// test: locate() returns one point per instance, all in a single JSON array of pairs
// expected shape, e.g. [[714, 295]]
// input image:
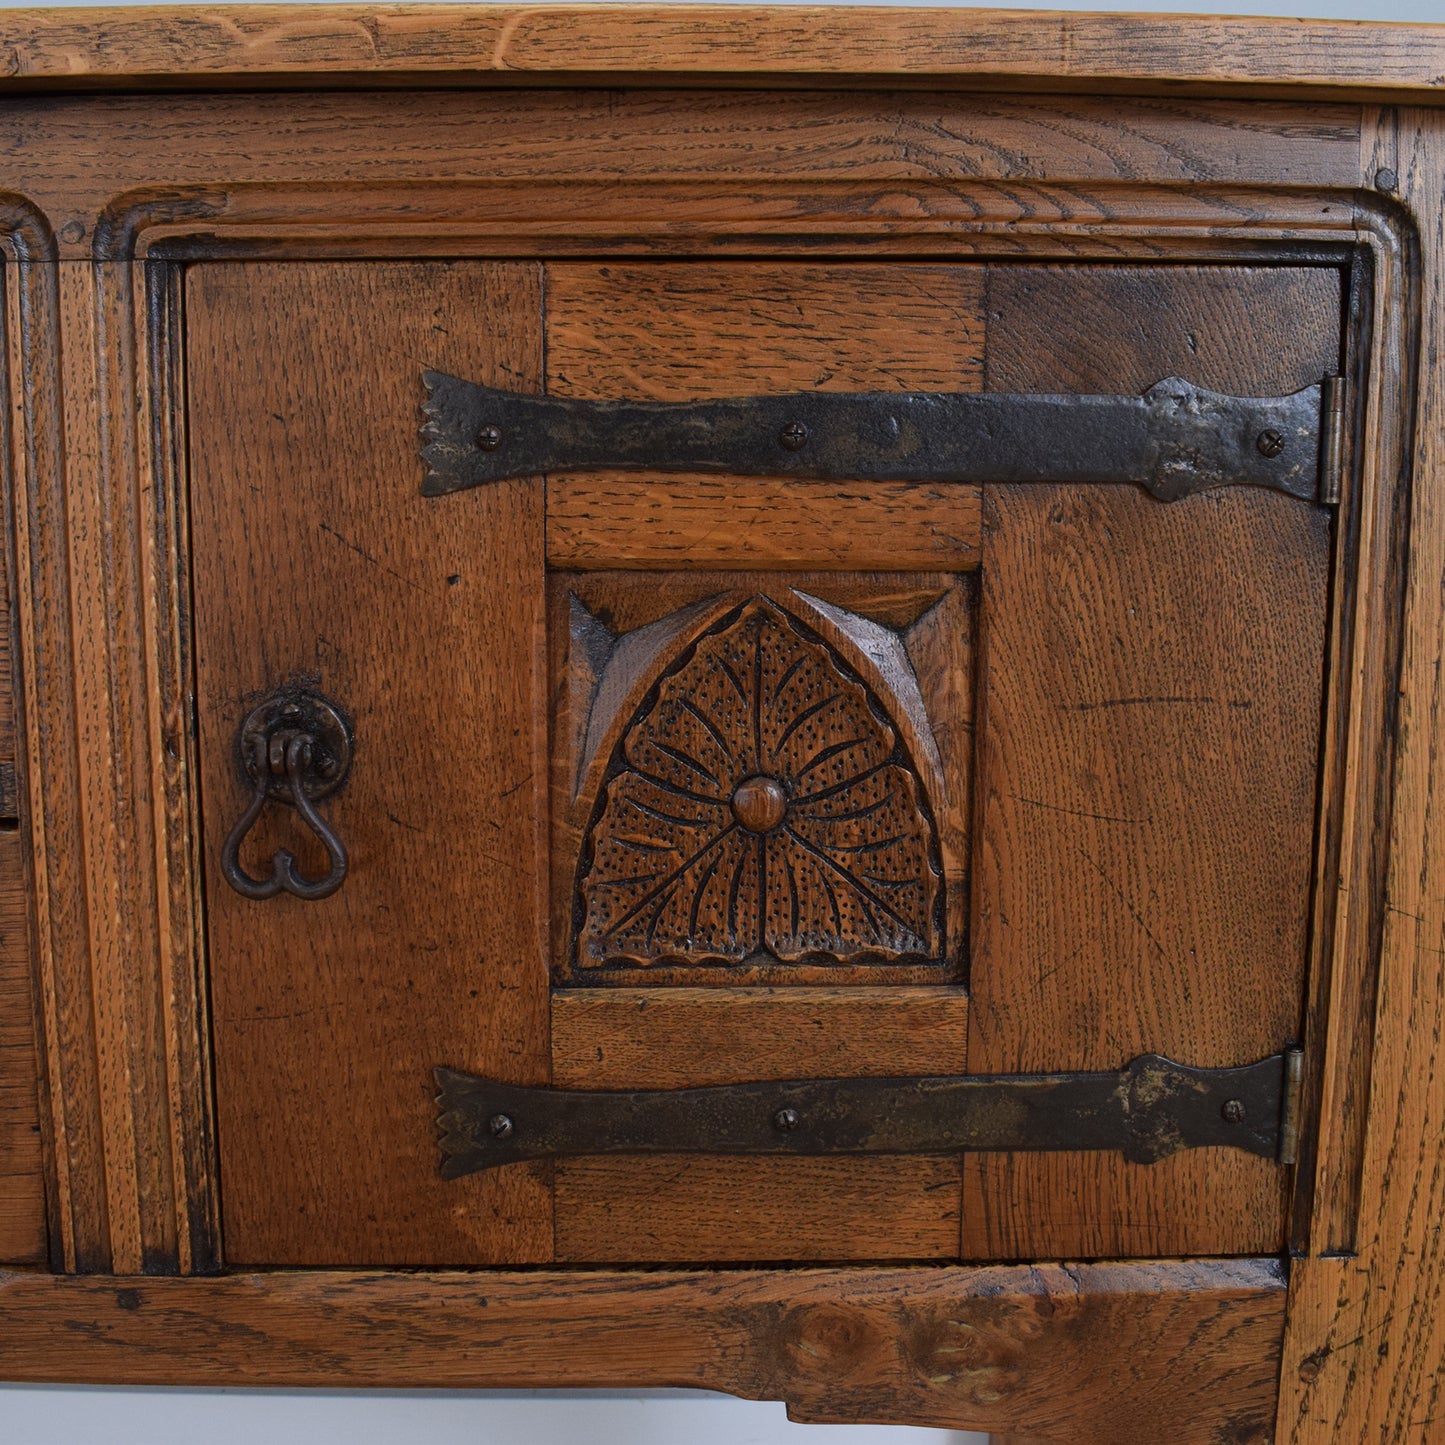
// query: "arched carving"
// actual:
[[761, 807]]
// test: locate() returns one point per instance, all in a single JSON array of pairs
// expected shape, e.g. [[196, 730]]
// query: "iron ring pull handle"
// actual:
[[294, 748]]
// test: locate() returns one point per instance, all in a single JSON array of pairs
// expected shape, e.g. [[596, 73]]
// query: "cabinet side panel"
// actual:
[[317, 559], [1365, 1354], [1151, 691]]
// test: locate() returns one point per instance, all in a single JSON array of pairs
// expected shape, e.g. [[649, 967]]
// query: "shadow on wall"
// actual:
[[37, 1415]]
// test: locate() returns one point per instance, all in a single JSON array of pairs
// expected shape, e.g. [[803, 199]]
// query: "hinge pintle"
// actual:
[[1332, 439], [1291, 1094]]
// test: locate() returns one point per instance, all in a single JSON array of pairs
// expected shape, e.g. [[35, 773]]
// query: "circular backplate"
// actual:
[[295, 710]]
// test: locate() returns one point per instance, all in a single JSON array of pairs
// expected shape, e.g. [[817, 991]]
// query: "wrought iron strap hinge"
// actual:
[[1174, 440], [1149, 1110]]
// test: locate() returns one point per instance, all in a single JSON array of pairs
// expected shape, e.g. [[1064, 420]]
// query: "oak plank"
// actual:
[[671, 1038], [710, 1209], [736, 328], [761, 522], [1129, 1353], [22, 1181], [1151, 688], [693, 1209], [317, 558], [701, 1208], [673, 333], [416, 172], [488, 44]]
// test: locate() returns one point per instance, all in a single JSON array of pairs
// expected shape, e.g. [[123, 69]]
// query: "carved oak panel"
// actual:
[[755, 783]]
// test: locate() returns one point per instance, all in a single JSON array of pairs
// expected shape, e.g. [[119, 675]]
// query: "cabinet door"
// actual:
[[1043, 759], [1150, 690], [318, 563]]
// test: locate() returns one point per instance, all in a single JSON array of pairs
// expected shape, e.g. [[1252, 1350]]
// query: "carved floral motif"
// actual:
[[761, 809]]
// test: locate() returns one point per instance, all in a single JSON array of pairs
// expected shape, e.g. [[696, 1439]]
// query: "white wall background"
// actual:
[[32, 1415]]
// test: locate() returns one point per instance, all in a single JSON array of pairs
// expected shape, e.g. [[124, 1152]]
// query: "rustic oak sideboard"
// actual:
[[728, 697]]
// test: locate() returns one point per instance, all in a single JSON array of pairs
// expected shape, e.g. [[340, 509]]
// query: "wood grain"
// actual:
[[760, 523], [316, 557], [705, 1209], [944, 217], [107, 771], [22, 1183], [696, 1209], [672, 1038], [9, 801], [1128, 1353], [249, 171], [100, 538], [179, 159], [671, 333], [1148, 766], [679, 333], [487, 44], [1365, 1353]]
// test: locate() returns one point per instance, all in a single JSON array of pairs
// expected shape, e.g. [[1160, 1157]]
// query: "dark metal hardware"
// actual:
[[1147, 1111], [1332, 443], [1174, 440], [293, 748]]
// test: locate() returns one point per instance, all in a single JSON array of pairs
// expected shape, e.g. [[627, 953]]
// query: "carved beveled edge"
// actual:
[[101, 590], [631, 667], [25, 230], [276, 220], [128, 216], [881, 658]]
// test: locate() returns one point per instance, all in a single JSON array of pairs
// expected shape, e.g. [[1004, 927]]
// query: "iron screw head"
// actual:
[[1386, 180], [794, 436], [1233, 1111], [489, 438], [501, 1126], [785, 1119], [1270, 443]]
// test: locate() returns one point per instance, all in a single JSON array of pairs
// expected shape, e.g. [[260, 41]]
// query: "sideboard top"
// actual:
[[280, 46]]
